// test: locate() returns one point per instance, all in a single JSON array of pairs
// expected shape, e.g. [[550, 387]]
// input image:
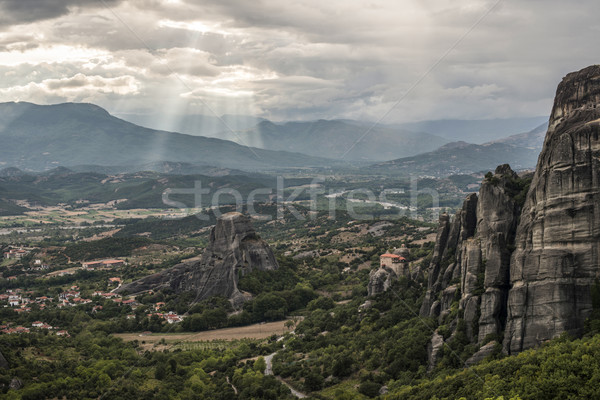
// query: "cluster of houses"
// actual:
[[21, 301], [16, 253], [7, 329], [38, 265], [170, 317]]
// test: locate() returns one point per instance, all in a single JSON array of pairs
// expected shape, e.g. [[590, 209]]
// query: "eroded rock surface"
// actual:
[[558, 239], [525, 268], [234, 250]]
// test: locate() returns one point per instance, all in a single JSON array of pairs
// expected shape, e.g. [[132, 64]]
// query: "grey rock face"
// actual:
[[485, 351], [526, 271], [476, 259], [433, 348], [235, 249], [380, 280], [558, 238]]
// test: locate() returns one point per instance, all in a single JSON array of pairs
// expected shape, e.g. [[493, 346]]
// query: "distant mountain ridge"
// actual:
[[39, 137], [338, 139], [193, 124], [476, 131], [520, 150]]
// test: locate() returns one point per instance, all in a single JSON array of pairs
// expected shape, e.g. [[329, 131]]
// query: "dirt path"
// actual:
[[269, 371]]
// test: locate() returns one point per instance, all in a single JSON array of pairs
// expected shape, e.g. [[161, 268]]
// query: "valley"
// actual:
[[300, 274], [320, 200]]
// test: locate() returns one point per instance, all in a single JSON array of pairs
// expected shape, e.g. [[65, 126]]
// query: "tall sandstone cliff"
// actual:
[[234, 250], [517, 262]]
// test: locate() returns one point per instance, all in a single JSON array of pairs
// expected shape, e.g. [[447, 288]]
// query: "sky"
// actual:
[[373, 60]]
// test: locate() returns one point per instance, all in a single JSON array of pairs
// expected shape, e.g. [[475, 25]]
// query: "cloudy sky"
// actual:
[[400, 60]]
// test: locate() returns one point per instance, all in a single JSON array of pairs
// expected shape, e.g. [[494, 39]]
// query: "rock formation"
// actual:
[[516, 263], [380, 279], [470, 265], [234, 250], [558, 239]]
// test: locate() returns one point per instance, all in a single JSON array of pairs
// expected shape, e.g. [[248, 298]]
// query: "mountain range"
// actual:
[[85, 137], [43, 137], [193, 124], [338, 139], [520, 151], [476, 131]]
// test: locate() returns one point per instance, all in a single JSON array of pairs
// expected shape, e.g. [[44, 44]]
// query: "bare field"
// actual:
[[256, 331]]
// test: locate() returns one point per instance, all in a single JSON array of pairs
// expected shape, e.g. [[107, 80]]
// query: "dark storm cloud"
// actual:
[[15, 12], [305, 59]]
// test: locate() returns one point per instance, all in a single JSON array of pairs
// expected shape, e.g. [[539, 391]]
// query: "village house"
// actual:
[[130, 302], [67, 294], [41, 325], [18, 329], [172, 318], [79, 300], [15, 254], [14, 300]]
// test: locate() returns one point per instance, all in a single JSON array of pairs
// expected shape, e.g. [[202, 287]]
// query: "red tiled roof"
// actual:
[[388, 255]]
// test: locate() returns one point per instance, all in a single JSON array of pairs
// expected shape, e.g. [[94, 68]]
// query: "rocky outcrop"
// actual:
[[522, 273], [484, 352], [382, 278], [558, 240], [234, 250], [468, 278], [445, 267]]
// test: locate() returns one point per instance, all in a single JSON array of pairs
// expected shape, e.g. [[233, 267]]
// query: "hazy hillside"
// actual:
[[162, 167], [476, 131], [533, 139], [350, 140], [520, 151], [41, 137], [193, 124]]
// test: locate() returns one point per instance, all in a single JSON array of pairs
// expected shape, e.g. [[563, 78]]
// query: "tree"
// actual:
[[369, 388], [313, 381], [260, 364], [268, 302]]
